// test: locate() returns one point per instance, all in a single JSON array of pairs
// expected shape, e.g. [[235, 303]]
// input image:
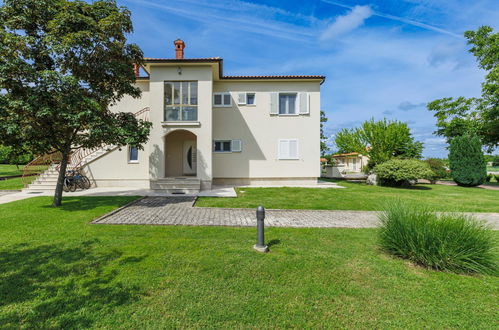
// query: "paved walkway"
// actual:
[[179, 211]]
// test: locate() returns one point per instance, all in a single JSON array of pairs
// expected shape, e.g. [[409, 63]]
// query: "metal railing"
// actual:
[[42, 163]]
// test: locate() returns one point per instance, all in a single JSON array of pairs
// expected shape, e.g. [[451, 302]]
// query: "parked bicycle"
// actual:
[[75, 179]]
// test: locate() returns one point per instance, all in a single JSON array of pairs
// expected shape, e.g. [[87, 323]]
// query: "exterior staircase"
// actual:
[[47, 181], [179, 185]]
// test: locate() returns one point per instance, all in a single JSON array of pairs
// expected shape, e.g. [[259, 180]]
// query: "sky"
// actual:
[[381, 58]]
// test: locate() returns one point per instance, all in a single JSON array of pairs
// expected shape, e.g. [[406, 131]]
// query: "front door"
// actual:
[[189, 158]]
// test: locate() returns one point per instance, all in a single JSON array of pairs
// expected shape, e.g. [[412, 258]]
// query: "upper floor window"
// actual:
[[181, 101], [222, 100], [287, 104]]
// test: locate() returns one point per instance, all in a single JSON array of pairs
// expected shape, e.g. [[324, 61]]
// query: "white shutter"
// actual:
[[293, 149], [274, 103], [304, 100], [241, 98], [236, 146], [283, 152]]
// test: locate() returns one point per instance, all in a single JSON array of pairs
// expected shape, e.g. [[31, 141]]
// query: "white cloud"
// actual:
[[348, 22]]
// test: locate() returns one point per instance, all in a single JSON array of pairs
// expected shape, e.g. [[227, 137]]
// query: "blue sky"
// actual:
[[384, 58]]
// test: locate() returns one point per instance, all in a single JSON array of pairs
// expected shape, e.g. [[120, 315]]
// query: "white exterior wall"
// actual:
[[202, 129], [260, 132]]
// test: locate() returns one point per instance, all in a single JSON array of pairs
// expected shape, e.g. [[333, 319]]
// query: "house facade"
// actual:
[[352, 162], [210, 129]]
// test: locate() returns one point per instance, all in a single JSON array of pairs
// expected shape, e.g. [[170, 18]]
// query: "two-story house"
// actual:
[[209, 128]]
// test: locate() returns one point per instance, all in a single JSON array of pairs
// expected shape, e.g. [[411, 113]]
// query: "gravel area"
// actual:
[[180, 211]]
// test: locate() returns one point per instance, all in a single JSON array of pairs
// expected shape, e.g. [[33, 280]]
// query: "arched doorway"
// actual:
[[180, 154]]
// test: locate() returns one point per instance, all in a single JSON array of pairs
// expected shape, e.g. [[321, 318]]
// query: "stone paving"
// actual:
[[180, 211]]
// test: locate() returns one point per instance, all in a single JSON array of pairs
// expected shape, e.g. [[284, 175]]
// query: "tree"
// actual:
[[380, 140], [474, 116], [62, 65], [466, 161], [324, 147], [437, 167]]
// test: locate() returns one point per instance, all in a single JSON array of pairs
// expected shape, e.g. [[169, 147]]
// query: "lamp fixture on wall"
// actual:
[[179, 70]]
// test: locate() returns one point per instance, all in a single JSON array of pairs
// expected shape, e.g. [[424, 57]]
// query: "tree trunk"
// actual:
[[60, 179]]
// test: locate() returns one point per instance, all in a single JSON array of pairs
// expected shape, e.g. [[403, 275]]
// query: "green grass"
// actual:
[[359, 196], [59, 271], [452, 242], [7, 170], [11, 184]]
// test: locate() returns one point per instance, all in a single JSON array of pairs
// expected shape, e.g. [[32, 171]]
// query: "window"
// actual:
[[181, 101], [245, 98], [288, 149], [222, 100], [287, 104], [227, 146], [133, 155], [250, 98]]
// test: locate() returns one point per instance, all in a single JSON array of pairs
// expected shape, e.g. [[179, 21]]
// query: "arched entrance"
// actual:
[[180, 154]]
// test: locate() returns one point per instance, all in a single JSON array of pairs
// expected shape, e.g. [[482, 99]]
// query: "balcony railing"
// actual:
[[181, 113]]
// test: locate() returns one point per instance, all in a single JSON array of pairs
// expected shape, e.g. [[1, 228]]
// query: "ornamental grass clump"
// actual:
[[449, 242]]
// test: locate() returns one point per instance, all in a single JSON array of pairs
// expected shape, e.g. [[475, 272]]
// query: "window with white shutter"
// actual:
[[227, 146], [274, 103], [288, 149]]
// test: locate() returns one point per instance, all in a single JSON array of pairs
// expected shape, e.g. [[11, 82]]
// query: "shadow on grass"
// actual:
[[90, 202], [273, 242], [63, 287]]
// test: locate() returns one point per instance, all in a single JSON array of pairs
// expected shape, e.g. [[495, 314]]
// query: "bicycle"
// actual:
[[75, 179]]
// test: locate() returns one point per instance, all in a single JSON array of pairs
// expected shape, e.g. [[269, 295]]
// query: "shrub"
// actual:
[[497, 177], [466, 161], [437, 166], [449, 242], [488, 178], [399, 172]]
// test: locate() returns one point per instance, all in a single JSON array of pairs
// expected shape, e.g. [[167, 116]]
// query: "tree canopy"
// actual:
[[62, 65], [380, 140], [474, 116], [324, 147]]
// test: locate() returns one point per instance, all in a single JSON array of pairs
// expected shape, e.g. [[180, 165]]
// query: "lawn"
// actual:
[[359, 196], [7, 170], [59, 271]]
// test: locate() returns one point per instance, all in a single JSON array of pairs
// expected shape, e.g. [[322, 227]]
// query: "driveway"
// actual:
[[180, 211]]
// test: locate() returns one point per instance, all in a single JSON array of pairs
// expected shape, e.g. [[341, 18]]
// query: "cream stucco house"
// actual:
[[210, 128]]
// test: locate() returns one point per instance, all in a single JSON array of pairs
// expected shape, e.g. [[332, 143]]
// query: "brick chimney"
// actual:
[[179, 49], [136, 70]]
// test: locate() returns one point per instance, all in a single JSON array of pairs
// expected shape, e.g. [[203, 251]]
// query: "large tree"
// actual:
[[380, 140], [474, 116], [62, 65]]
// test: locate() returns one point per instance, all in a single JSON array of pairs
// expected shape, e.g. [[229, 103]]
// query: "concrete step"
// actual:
[[178, 185]]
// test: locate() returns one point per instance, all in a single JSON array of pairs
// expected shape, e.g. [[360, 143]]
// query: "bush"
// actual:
[[399, 172], [466, 161], [488, 178], [448, 242], [437, 166], [497, 177]]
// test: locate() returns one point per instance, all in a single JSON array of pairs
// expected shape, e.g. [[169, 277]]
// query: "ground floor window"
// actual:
[[227, 146], [288, 149], [133, 155]]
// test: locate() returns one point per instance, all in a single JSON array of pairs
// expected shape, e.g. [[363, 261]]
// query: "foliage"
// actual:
[[400, 172], [474, 116], [466, 160], [380, 140], [62, 64], [324, 147], [489, 177], [449, 242], [10, 155], [437, 166], [361, 197], [496, 176]]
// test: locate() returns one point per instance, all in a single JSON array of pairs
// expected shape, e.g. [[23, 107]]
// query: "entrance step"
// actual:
[[181, 185]]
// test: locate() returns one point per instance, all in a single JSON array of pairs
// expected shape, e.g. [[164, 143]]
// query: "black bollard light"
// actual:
[[260, 228]]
